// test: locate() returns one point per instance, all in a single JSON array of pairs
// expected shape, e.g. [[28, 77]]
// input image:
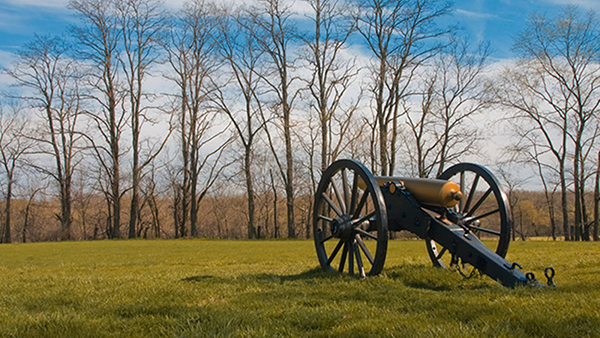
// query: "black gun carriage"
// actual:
[[463, 216]]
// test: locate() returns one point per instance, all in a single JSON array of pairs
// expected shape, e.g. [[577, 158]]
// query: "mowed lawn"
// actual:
[[218, 288]]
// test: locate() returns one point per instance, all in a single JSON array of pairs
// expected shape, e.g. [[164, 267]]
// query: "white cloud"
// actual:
[[40, 3], [299, 6], [7, 21], [6, 58], [590, 4], [476, 14]]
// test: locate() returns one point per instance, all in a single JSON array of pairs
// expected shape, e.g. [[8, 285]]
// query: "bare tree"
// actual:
[[443, 129], [99, 37], [402, 35], [527, 152], [274, 189], [141, 23], [332, 101], [238, 48], [275, 33], [150, 199], [175, 193], [191, 50], [308, 139], [13, 146], [597, 201], [514, 182], [555, 94], [83, 199], [52, 80], [29, 214], [587, 139], [332, 74], [549, 188]]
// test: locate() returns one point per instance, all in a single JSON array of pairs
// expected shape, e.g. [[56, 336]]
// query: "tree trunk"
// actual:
[[383, 144], [116, 194], [324, 142], [394, 138], [133, 212], [521, 224], [250, 195], [564, 204], [7, 235], [597, 200], [289, 181], [275, 221], [26, 217], [185, 152], [552, 219], [66, 218], [135, 182], [289, 190], [585, 223], [380, 111], [577, 190], [193, 206], [193, 139]]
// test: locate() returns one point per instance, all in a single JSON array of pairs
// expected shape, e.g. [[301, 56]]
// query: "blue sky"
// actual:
[[496, 21], [499, 21]]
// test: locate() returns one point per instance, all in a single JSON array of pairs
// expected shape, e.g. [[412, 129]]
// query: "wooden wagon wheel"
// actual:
[[483, 210], [350, 223]]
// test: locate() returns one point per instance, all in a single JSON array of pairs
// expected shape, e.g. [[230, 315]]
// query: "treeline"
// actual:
[[217, 120]]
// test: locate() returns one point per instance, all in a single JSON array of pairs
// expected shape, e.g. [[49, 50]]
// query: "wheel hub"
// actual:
[[341, 227]]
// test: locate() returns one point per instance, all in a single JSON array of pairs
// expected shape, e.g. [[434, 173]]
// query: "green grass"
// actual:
[[202, 288]]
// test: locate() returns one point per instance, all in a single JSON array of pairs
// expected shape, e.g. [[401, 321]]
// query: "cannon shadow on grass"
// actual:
[[312, 274], [423, 277], [427, 277]]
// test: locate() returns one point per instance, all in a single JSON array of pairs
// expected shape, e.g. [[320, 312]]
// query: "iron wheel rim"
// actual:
[[349, 223]]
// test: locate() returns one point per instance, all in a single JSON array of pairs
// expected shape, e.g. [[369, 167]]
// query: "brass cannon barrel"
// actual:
[[427, 191]]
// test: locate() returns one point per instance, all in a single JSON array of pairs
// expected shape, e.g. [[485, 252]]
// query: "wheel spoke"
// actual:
[[326, 238], [338, 196], [361, 204], [489, 231], [359, 264], [332, 205], [479, 202], [370, 235], [335, 251], [363, 218], [364, 248], [354, 193], [326, 219], [344, 254], [346, 191], [472, 192], [470, 220]]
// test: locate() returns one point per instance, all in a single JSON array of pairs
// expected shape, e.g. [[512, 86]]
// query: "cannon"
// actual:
[[463, 216]]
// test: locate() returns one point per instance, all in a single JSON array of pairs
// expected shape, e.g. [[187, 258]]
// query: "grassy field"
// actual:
[[202, 288]]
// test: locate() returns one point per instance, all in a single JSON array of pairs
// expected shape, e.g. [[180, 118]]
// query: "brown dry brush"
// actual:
[[223, 216]]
